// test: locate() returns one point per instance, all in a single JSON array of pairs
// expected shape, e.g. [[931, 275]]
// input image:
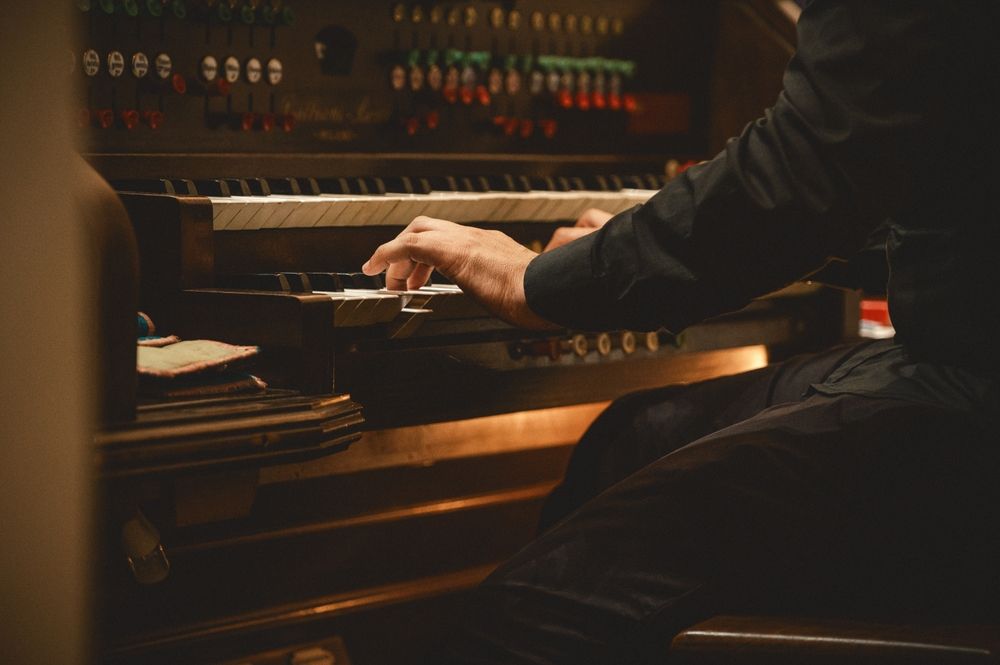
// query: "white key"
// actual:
[[304, 213], [281, 210], [245, 208], [260, 212], [222, 214], [334, 206], [360, 210]]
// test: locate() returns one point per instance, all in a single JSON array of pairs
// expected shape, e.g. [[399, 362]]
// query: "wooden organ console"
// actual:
[[262, 149]]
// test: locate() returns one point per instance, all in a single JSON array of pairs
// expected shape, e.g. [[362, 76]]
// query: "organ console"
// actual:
[[262, 149]]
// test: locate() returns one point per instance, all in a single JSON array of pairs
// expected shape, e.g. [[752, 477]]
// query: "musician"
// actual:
[[862, 480]]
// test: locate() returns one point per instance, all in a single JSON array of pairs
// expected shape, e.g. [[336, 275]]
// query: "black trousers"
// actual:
[[748, 493]]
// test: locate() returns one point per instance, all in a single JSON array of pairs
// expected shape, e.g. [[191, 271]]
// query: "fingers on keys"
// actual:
[[410, 257]]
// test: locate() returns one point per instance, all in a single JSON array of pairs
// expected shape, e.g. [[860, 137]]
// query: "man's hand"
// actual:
[[488, 265], [589, 221]]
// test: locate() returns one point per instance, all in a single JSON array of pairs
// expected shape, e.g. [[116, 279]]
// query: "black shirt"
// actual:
[[887, 112]]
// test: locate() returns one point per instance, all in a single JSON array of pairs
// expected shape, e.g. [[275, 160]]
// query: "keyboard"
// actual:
[[241, 204]]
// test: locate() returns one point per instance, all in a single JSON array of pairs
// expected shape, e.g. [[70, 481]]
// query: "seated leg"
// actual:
[[845, 500], [644, 426]]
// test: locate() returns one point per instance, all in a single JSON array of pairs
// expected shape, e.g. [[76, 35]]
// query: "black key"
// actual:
[[479, 183], [500, 183], [357, 186], [334, 186], [258, 187], [520, 183], [561, 183], [399, 184], [238, 187], [326, 281], [576, 184], [633, 182], [652, 181], [359, 280], [402, 184], [184, 187], [255, 282], [615, 182], [298, 282], [309, 186], [542, 183], [595, 183], [212, 187], [286, 186], [443, 183], [421, 185], [294, 186], [152, 186], [367, 186], [464, 184]]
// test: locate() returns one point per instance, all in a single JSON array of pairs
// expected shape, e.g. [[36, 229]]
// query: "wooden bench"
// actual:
[[739, 640]]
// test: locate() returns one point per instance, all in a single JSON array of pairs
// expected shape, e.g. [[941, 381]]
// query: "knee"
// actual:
[[630, 433], [625, 416]]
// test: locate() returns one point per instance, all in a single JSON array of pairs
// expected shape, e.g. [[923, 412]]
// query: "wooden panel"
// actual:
[[295, 328], [174, 236], [433, 385], [414, 609]]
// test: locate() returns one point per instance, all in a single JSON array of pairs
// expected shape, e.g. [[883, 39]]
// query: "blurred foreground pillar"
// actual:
[[45, 347]]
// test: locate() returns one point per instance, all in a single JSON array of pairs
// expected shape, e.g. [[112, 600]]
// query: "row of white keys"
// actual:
[[404, 310], [363, 307], [287, 211], [366, 307], [446, 301]]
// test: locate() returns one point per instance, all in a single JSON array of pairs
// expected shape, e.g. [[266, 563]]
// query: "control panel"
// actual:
[[311, 76]]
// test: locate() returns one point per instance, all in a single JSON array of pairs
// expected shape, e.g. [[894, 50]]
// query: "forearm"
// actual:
[[839, 151]]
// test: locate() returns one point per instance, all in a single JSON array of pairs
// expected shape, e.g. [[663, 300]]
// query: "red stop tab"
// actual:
[[130, 118], [105, 118], [483, 95], [153, 118]]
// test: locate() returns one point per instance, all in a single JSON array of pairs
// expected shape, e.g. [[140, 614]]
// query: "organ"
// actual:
[[262, 149]]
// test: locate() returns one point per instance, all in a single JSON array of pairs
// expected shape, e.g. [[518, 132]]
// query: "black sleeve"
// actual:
[[810, 180]]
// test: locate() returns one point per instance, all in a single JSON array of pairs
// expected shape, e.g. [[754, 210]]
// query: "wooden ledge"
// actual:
[[772, 640]]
